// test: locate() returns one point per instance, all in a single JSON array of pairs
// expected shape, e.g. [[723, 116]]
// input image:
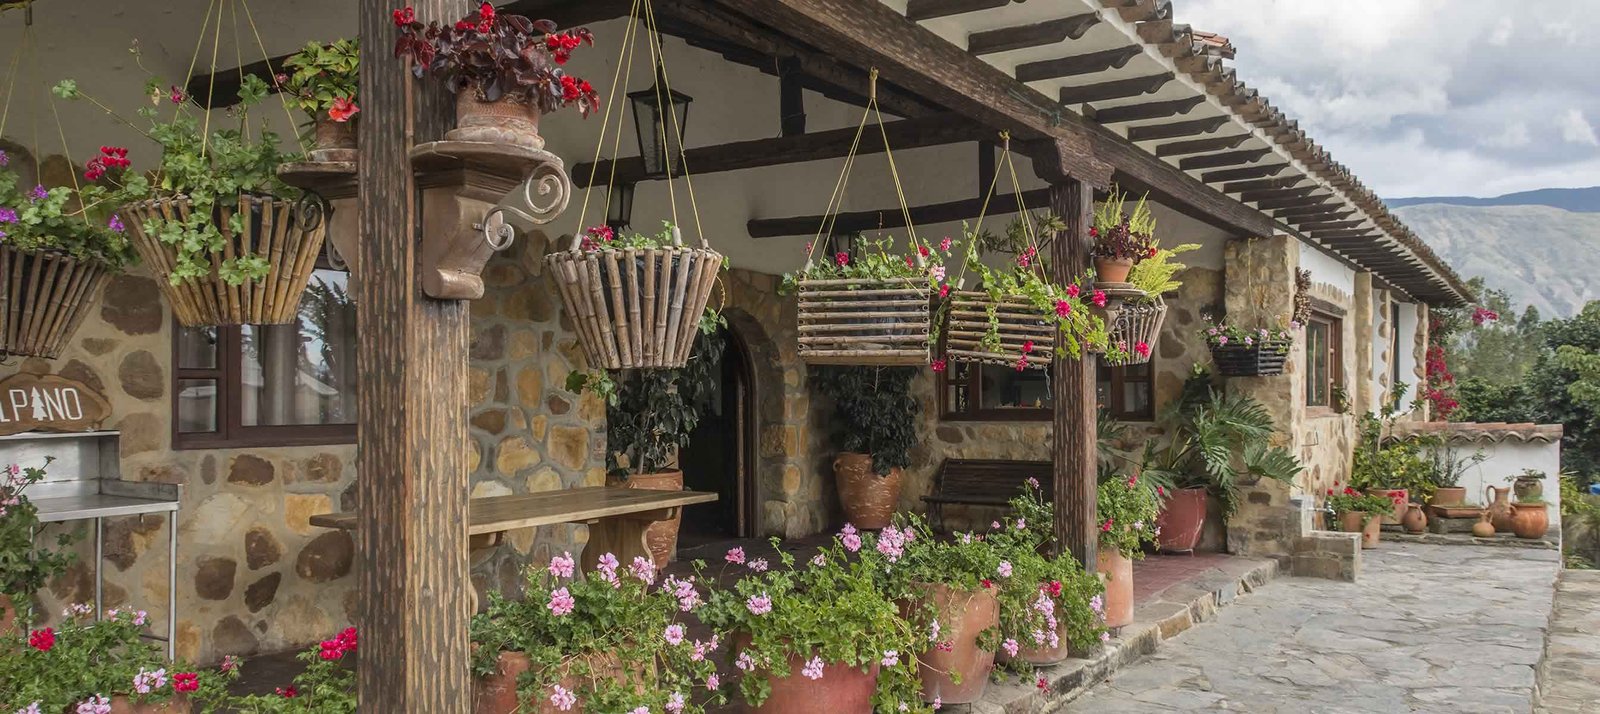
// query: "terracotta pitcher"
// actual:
[[1499, 500]]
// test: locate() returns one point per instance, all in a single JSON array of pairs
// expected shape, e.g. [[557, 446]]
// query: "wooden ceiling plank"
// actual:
[[1262, 184], [1278, 204], [1200, 146], [1231, 158], [1177, 129], [1252, 172], [1276, 193]]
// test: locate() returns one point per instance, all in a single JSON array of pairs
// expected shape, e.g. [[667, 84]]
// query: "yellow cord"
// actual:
[[624, 57], [282, 100], [683, 156]]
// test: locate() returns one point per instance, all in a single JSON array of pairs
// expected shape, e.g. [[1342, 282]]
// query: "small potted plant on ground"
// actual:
[[822, 637], [326, 685], [951, 598], [1399, 470], [874, 428], [609, 640], [1359, 512], [323, 81], [1248, 351], [505, 70], [1049, 606], [24, 567], [1121, 239], [1126, 509]]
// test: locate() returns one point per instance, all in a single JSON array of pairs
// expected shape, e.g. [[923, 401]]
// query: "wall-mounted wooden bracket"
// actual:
[[468, 190], [337, 183]]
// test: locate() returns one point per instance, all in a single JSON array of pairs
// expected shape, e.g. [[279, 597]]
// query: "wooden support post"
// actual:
[[1073, 442], [411, 481]]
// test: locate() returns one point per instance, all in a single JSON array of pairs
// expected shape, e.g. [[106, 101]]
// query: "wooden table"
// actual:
[[617, 517]]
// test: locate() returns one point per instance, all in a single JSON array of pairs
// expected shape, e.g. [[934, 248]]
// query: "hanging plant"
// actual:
[[1248, 351], [494, 57], [1121, 239], [1134, 318], [323, 81], [869, 306]]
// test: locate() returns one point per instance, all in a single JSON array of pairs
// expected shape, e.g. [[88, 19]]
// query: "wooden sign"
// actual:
[[30, 402]]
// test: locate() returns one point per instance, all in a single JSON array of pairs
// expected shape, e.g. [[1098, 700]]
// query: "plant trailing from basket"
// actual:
[[874, 412], [651, 413], [323, 79], [598, 239], [1046, 598], [1121, 235], [616, 631], [832, 610], [1216, 441], [82, 660], [24, 566], [922, 264], [212, 168], [499, 56], [326, 685], [1126, 509], [77, 221], [1220, 334], [1156, 275]]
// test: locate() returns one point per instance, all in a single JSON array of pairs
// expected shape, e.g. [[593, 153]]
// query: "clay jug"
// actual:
[[1499, 499], [1483, 528], [1414, 520]]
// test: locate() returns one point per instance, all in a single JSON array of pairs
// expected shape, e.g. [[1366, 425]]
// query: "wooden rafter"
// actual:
[[1231, 158], [917, 10], [1200, 146], [1277, 193], [1276, 204], [1315, 214], [1177, 129], [1075, 65], [1262, 184], [1039, 34], [887, 218], [1118, 89], [1143, 112], [1354, 233], [1244, 173], [1316, 228]]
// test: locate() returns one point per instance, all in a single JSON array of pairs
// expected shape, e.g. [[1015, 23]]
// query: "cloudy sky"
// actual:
[[1428, 97]]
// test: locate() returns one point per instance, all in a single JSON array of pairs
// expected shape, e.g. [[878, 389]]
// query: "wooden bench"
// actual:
[[617, 517], [982, 482]]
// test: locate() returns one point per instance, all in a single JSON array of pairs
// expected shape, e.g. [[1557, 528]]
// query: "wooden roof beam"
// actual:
[[1176, 130], [1231, 158], [1200, 146], [1144, 112], [1274, 193], [1039, 34], [1276, 204], [918, 10], [887, 218], [1315, 214], [1263, 184], [1119, 89], [1251, 172], [1333, 226], [1075, 65], [1349, 233]]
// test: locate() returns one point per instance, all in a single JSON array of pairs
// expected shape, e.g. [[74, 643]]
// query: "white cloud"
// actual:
[[1516, 135], [1500, 36], [1575, 129]]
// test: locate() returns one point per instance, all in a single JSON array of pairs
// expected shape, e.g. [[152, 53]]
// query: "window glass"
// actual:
[[304, 372], [1010, 388], [197, 405], [1318, 368]]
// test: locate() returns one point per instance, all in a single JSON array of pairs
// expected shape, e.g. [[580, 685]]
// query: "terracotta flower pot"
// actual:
[[842, 688], [497, 693], [1370, 527], [1399, 497], [867, 498], [502, 121], [1449, 496], [661, 536], [1528, 488], [178, 704], [1112, 270], [1044, 655], [1415, 521], [1182, 519], [962, 615], [1118, 571], [332, 140], [1529, 520]]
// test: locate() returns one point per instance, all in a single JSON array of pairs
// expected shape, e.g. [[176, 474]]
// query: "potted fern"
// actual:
[[1122, 239]]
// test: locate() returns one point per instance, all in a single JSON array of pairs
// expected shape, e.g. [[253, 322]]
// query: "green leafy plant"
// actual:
[[1383, 463], [1156, 275], [651, 413], [834, 610], [1448, 467], [212, 168], [327, 684], [1217, 441], [77, 221], [24, 566], [1221, 334], [323, 79], [615, 631], [83, 660], [1352, 500], [1046, 599], [876, 260], [875, 411], [1120, 235], [1127, 510]]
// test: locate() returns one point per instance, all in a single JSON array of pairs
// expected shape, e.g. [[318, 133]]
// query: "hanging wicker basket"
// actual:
[[1262, 359], [1131, 322], [878, 323], [1017, 322], [43, 298], [287, 234], [636, 308]]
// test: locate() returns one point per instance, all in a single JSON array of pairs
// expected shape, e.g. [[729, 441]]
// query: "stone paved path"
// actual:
[[1571, 682], [1428, 628]]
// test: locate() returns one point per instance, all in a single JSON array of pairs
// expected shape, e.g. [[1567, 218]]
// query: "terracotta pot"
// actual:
[[499, 122], [1370, 527], [1449, 496], [1499, 500], [178, 704], [1483, 528], [1042, 655], [962, 615], [497, 693], [1182, 519], [868, 499], [1401, 500], [1112, 270], [661, 536], [8, 616], [1529, 520], [1117, 570], [842, 688], [332, 140], [1415, 521], [1528, 488]]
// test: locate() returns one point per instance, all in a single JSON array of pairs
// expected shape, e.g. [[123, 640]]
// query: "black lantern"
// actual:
[[660, 136], [619, 206]]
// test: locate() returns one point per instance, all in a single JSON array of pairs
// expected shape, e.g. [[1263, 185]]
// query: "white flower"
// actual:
[[813, 669]]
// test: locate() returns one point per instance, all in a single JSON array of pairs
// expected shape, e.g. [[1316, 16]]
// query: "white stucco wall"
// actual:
[[1327, 270], [1507, 459], [1405, 351]]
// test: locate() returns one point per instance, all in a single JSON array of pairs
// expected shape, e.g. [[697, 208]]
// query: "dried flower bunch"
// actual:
[[499, 56]]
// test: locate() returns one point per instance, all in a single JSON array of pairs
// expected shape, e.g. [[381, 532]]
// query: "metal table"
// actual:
[[82, 484]]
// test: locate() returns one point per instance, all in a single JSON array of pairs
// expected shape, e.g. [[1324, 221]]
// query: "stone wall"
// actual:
[[1326, 438]]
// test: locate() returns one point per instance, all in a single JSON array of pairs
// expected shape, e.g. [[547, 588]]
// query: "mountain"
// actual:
[[1540, 254], [1577, 200]]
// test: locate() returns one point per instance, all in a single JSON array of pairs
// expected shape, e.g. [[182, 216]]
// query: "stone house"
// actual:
[[258, 424]]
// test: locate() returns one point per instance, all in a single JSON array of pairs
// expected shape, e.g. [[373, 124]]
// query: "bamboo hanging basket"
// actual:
[[44, 296], [875, 323], [1016, 323], [636, 308], [287, 234], [1130, 322]]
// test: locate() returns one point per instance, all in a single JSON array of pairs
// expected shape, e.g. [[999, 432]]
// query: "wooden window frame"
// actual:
[[975, 397], [1335, 377], [1119, 379]]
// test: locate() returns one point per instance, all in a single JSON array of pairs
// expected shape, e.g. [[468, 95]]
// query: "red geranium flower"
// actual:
[[343, 108], [1106, 527], [923, 250], [404, 16], [1055, 588], [1142, 348], [185, 682], [938, 365], [842, 259], [944, 290], [288, 692], [1099, 298], [1073, 291], [42, 640], [1064, 308], [986, 583]]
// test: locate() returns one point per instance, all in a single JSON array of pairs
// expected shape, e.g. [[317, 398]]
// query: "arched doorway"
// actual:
[[721, 456]]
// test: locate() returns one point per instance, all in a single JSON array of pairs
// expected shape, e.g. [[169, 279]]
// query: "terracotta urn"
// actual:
[[868, 499], [1530, 520], [1370, 527], [122, 704], [842, 688], [1483, 528], [1415, 521], [1116, 570], [1449, 496], [497, 692], [959, 674], [502, 121], [1182, 520], [1112, 270], [332, 140], [661, 536], [1499, 500]]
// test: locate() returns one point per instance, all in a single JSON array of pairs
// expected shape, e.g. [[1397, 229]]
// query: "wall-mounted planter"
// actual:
[[1262, 359], [465, 187], [43, 298], [1132, 318]]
